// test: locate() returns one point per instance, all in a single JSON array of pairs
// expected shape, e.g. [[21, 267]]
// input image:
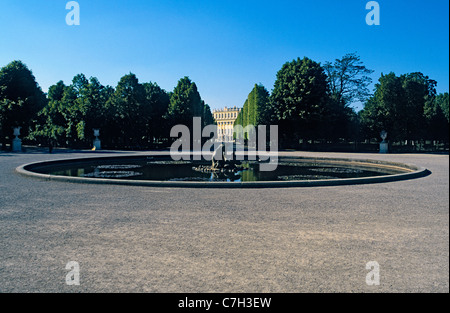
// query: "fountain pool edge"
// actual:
[[414, 172]]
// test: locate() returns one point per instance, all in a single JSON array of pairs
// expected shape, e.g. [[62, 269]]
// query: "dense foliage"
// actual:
[[408, 108], [310, 102], [20, 99], [131, 115], [256, 110]]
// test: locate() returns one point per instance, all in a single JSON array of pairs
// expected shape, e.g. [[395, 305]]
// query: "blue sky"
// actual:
[[224, 46]]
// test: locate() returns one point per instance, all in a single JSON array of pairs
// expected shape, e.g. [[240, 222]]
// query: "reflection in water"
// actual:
[[167, 170], [226, 176], [249, 175]]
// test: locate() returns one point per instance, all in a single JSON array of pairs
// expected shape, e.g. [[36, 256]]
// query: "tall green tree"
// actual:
[[348, 80], [185, 103], [158, 101], [256, 110], [437, 117], [383, 110], [338, 121], [244, 114], [261, 109], [242, 120], [73, 112], [20, 99], [51, 123], [85, 104], [299, 99], [442, 100], [419, 90], [397, 106], [130, 113], [207, 118]]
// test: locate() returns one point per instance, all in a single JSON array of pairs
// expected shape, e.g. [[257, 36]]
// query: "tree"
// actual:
[[419, 90], [20, 99], [73, 112], [51, 123], [85, 104], [244, 114], [299, 99], [338, 121], [382, 111], [93, 104], [436, 114], [242, 120], [348, 80], [397, 106], [208, 118], [256, 110], [261, 106], [185, 103], [158, 100], [130, 112], [442, 100]]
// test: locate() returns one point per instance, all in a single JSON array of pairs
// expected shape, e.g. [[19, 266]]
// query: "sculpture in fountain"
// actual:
[[222, 166]]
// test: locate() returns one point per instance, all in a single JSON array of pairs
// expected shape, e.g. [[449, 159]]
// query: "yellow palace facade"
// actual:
[[225, 119]]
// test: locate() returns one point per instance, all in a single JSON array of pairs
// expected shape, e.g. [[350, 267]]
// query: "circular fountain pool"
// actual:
[[163, 171]]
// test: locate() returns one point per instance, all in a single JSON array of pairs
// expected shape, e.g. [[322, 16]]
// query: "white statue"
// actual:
[[218, 158]]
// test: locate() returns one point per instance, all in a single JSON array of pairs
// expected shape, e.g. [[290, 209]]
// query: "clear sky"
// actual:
[[224, 46]]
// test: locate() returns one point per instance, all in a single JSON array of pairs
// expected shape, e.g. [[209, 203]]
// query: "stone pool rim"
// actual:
[[413, 173]]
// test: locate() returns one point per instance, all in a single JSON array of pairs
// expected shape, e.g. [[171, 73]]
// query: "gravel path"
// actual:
[[140, 239]]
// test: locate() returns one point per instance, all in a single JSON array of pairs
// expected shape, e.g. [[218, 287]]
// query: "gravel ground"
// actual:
[[296, 240]]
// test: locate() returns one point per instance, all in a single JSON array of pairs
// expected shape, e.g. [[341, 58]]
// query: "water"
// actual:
[[166, 170]]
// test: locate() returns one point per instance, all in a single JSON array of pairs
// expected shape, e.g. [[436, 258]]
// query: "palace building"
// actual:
[[225, 119]]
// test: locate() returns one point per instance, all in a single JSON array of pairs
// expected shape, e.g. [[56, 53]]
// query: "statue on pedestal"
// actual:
[[97, 142], [17, 142], [222, 167], [384, 145]]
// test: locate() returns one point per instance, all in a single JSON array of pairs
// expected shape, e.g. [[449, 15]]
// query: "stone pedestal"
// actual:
[[17, 142], [97, 144], [17, 145], [384, 147]]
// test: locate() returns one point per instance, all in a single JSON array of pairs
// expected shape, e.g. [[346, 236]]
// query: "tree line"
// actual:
[[132, 115], [313, 102], [309, 102]]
